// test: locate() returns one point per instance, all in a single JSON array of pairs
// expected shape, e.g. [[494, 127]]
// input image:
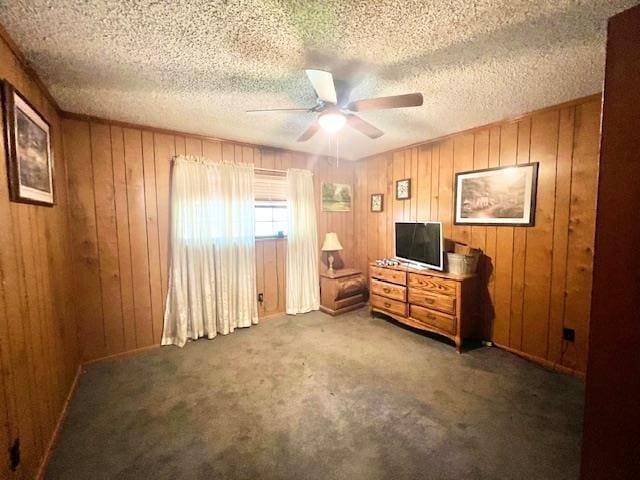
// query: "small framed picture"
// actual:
[[403, 189], [28, 145], [497, 196], [377, 202]]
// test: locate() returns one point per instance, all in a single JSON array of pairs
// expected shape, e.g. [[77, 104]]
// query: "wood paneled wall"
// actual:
[[119, 206], [539, 278], [39, 355]]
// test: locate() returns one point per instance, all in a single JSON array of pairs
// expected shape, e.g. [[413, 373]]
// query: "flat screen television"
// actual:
[[420, 243]]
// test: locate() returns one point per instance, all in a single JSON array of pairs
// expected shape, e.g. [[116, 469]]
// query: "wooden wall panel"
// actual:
[[164, 148], [537, 279], [519, 248], [480, 161], [544, 145], [125, 266], [153, 244], [270, 268], [584, 180], [462, 162], [39, 354], [398, 174], [445, 191], [107, 236], [491, 243], [120, 180], [423, 173], [560, 234], [141, 284], [503, 264], [84, 241]]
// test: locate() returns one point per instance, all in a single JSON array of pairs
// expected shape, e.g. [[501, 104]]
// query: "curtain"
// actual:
[[212, 273], [303, 287]]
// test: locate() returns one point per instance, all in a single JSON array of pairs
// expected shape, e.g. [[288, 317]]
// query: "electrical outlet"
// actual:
[[261, 297], [14, 455], [569, 335]]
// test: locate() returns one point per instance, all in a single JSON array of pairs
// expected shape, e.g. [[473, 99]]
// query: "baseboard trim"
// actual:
[[121, 354], [56, 432], [543, 361], [157, 345], [270, 316]]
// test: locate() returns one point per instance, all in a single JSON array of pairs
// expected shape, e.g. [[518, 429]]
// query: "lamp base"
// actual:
[[330, 264]]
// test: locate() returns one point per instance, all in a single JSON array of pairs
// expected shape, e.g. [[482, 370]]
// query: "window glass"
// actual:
[[271, 218]]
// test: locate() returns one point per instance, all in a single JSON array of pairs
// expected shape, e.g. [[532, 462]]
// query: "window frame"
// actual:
[[284, 205]]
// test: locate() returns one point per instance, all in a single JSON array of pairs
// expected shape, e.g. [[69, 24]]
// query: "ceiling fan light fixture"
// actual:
[[332, 122], [334, 109]]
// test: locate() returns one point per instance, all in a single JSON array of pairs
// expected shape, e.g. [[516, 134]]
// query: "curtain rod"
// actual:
[[273, 170], [258, 169], [173, 159]]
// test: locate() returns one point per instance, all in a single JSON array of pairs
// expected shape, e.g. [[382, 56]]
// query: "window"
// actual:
[[270, 205], [271, 218]]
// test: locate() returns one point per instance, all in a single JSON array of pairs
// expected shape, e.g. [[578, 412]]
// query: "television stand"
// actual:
[[437, 302]]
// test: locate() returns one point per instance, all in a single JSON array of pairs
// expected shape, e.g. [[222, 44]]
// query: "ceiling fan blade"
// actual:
[[380, 103], [359, 124], [323, 84], [309, 132], [279, 110]]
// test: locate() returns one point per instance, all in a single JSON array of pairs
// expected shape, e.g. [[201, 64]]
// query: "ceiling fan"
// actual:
[[334, 111]]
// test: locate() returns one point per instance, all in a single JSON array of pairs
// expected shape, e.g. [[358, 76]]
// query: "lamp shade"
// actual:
[[331, 243]]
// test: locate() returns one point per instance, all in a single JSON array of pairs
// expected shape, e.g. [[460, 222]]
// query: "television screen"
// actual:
[[421, 243]]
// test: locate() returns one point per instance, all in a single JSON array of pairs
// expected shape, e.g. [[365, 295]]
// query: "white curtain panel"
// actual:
[[212, 274], [303, 287]]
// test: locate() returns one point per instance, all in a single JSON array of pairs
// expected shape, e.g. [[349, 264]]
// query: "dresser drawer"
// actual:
[[347, 302], [434, 319], [389, 290], [436, 301], [349, 286], [393, 306], [389, 275], [432, 284]]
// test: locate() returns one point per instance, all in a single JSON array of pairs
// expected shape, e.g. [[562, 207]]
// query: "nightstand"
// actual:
[[342, 291]]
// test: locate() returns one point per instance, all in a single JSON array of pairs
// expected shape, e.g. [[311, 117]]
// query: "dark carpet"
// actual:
[[316, 397]]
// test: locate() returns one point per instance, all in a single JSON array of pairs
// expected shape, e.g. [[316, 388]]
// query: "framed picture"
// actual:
[[403, 189], [28, 146], [497, 196], [377, 202], [336, 197]]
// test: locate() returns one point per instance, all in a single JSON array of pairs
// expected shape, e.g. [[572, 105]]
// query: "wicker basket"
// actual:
[[463, 264]]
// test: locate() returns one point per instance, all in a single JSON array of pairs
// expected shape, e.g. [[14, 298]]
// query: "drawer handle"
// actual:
[[386, 289], [431, 317], [388, 305], [428, 300]]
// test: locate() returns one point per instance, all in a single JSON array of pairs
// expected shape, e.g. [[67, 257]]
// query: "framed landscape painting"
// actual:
[[336, 197], [497, 196], [28, 145]]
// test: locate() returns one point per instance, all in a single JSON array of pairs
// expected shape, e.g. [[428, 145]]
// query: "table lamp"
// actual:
[[331, 244]]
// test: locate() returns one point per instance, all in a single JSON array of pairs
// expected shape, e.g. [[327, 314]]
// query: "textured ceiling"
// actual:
[[195, 66]]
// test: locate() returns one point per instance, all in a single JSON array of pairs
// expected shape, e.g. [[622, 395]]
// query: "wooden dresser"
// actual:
[[442, 303]]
